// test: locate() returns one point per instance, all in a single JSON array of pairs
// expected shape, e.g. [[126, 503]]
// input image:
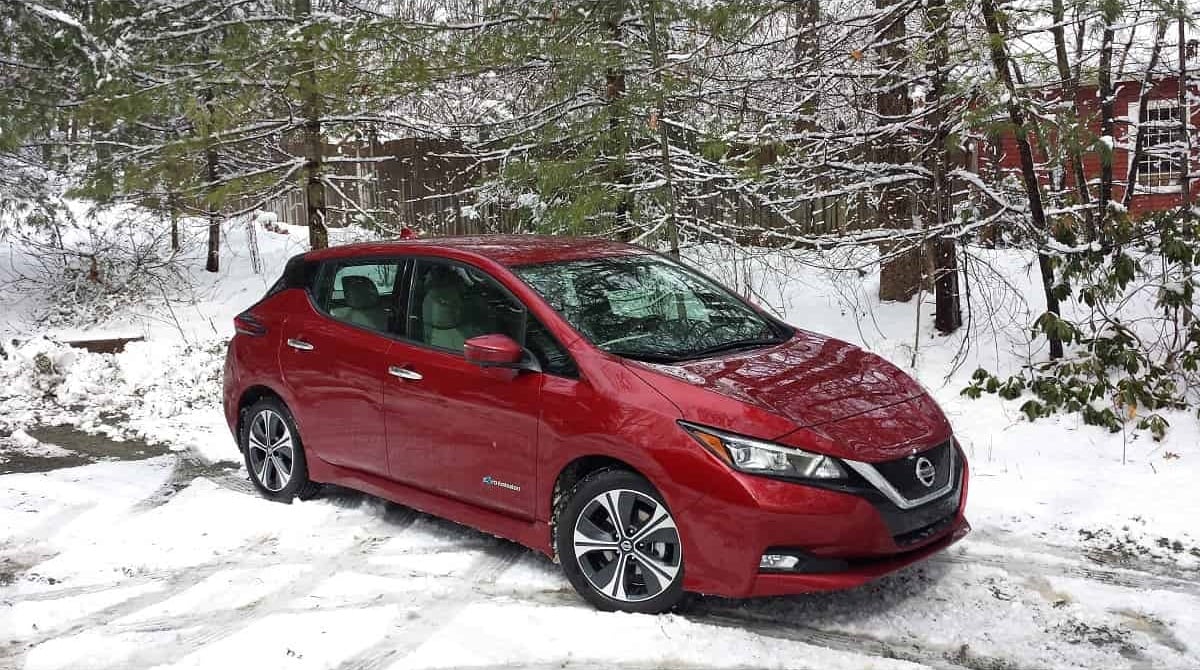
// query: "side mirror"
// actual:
[[496, 351]]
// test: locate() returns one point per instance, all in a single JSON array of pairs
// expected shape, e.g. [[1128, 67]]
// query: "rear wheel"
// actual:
[[619, 545], [273, 452]]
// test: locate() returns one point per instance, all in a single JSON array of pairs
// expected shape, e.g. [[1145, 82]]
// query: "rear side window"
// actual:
[[362, 293]]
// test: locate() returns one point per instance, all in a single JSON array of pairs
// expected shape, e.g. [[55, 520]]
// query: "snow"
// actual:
[[314, 640], [73, 500], [492, 634], [1085, 550]]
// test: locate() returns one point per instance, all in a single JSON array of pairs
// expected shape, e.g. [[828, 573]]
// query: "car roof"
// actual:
[[511, 250]]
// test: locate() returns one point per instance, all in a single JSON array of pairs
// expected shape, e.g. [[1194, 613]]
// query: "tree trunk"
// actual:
[[656, 56], [314, 155], [614, 91], [902, 270], [1070, 87], [1107, 120], [212, 170], [999, 56], [173, 201], [1139, 142], [805, 61], [804, 57], [948, 311], [1185, 121]]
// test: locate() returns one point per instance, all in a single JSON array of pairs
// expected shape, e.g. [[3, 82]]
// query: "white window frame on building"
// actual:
[[1158, 169]]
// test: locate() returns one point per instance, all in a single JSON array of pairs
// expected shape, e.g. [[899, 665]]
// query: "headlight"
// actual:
[[765, 458]]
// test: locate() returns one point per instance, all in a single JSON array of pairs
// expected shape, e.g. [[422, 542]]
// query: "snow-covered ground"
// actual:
[[1086, 550]]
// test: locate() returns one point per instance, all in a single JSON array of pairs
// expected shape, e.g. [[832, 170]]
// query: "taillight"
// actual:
[[246, 324]]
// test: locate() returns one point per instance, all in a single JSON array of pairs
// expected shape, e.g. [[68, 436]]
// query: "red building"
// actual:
[[1158, 180]]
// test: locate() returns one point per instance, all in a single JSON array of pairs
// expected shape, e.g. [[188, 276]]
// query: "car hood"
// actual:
[[809, 380]]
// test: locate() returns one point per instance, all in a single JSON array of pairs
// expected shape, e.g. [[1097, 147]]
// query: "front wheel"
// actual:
[[619, 545], [273, 452]]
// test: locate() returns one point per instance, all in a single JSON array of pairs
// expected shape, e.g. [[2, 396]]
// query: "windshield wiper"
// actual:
[[734, 345], [646, 357]]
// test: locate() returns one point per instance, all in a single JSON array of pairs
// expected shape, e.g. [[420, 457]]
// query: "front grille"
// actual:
[[921, 534], [906, 525], [915, 525], [902, 473]]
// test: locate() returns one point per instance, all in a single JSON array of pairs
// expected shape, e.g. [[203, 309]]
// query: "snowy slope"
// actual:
[[1085, 552]]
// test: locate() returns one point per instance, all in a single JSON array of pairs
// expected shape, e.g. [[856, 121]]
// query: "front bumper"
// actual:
[[859, 571], [847, 538]]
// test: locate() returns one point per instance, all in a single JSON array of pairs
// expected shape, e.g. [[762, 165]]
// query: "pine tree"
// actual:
[[604, 129]]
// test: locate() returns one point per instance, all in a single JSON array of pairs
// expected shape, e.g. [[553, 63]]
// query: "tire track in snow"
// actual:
[[440, 610], [1002, 544], [187, 467], [21, 553], [476, 583], [744, 615], [1022, 567], [175, 581], [38, 533], [1027, 564], [207, 627], [732, 616], [199, 629], [29, 548], [912, 650]]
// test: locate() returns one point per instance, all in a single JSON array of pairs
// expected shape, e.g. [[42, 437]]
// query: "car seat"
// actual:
[[442, 313], [363, 306]]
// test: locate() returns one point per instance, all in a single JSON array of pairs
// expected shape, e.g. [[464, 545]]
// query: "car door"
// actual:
[[454, 427], [334, 359]]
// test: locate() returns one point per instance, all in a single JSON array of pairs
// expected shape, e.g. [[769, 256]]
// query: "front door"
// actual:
[[454, 427], [334, 359]]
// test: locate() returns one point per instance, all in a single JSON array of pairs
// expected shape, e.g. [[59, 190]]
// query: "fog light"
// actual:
[[778, 562]]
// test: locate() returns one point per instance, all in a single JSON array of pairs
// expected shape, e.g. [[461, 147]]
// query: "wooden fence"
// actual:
[[425, 185]]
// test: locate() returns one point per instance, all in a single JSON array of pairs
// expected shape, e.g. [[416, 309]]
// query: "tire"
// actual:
[[272, 450], [612, 568]]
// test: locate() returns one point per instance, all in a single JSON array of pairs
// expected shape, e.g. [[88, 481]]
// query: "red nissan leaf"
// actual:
[[598, 402]]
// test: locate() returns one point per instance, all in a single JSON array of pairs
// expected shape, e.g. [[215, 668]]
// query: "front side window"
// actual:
[[452, 303], [361, 293], [648, 308]]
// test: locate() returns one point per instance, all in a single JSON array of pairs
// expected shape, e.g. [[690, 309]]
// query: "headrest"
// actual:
[[442, 306], [360, 292]]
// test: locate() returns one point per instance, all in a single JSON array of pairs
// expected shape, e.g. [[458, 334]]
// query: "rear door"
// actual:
[[334, 359], [454, 427]]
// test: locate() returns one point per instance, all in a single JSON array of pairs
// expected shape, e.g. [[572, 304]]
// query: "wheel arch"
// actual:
[[249, 396], [574, 471]]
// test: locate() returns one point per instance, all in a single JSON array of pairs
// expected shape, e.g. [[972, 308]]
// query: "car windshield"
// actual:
[[649, 308]]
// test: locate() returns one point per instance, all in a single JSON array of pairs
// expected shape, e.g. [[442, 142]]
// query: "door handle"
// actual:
[[299, 344], [405, 373]]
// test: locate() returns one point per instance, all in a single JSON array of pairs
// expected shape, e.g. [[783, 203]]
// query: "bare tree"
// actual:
[[998, 49], [937, 157], [903, 270]]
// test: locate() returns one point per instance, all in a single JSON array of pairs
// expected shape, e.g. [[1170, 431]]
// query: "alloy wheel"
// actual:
[[271, 450], [627, 545]]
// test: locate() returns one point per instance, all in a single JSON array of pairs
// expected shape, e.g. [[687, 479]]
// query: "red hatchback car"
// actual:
[[600, 403]]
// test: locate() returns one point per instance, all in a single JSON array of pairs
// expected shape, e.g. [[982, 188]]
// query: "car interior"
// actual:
[[451, 304], [362, 304]]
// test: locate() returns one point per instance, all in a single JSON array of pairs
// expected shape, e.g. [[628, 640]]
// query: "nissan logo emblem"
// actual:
[[925, 472]]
